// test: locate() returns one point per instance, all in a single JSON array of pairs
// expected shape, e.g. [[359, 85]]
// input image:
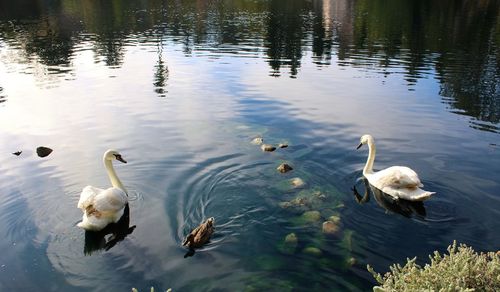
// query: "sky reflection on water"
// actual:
[[180, 88]]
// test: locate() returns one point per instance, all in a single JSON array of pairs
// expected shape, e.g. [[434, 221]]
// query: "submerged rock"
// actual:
[[258, 141], [267, 147], [289, 244], [311, 216], [297, 182], [282, 145], [311, 250], [283, 168], [291, 239], [306, 200], [335, 219], [330, 227], [296, 204], [350, 262], [43, 151]]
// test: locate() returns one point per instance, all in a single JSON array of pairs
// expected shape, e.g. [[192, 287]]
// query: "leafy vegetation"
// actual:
[[462, 269]]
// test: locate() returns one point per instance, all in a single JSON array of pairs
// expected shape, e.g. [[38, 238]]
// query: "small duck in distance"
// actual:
[[200, 235], [400, 182]]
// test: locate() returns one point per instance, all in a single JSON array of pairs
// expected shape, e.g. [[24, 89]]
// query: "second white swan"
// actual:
[[103, 206], [396, 181]]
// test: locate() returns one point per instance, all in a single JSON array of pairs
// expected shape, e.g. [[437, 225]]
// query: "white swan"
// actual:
[[396, 181], [103, 206]]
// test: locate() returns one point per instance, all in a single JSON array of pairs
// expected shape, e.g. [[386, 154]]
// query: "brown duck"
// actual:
[[201, 234]]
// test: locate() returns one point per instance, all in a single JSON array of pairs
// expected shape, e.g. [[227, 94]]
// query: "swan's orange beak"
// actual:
[[359, 146], [119, 158]]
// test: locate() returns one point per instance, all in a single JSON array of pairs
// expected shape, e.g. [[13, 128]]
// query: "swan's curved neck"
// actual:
[[371, 158], [115, 181]]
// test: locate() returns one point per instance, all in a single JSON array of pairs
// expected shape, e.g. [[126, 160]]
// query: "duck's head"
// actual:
[[364, 140], [112, 154]]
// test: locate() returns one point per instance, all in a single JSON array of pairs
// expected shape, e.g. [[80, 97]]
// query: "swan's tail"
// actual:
[[423, 196], [415, 194]]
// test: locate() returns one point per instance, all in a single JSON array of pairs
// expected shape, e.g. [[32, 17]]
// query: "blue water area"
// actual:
[[181, 88]]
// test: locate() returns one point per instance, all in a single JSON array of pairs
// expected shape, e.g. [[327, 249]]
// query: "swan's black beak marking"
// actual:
[[119, 158], [359, 146]]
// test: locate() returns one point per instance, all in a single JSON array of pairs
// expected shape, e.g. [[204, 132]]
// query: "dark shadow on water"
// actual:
[[95, 241], [402, 207], [189, 253]]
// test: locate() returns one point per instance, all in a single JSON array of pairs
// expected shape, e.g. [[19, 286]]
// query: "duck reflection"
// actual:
[[400, 206], [98, 240]]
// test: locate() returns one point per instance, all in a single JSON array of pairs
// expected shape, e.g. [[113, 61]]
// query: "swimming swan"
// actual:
[[101, 207], [396, 181]]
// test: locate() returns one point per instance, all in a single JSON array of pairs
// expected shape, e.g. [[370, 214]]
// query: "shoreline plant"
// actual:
[[462, 269]]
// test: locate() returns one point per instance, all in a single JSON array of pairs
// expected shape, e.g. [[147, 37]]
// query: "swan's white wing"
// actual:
[[110, 200], [87, 196], [397, 177]]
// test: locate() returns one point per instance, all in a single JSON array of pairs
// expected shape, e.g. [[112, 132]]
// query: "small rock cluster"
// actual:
[[284, 167], [313, 210], [41, 151]]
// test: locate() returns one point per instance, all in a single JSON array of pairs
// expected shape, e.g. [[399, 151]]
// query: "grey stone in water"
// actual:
[[283, 168], [17, 153], [43, 151], [267, 147], [258, 141], [283, 145]]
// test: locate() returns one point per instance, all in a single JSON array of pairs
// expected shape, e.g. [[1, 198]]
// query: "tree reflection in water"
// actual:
[[456, 42]]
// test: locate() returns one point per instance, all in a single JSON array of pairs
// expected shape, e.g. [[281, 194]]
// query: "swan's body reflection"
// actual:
[[96, 240], [401, 206]]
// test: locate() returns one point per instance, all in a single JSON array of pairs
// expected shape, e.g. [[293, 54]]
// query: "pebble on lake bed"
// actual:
[[258, 141], [267, 147], [283, 168]]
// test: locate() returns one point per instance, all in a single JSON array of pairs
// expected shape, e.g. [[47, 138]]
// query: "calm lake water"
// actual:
[[180, 88]]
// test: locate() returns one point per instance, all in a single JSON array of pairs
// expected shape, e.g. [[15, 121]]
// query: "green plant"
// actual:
[[462, 269]]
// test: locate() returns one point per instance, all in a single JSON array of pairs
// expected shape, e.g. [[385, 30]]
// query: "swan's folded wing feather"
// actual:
[[110, 200], [87, 196], [399, 177]]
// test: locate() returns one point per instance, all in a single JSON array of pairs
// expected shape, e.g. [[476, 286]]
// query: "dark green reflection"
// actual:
[[456, 42]]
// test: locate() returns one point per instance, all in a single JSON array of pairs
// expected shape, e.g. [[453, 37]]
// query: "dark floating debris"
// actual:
[[43, 151], [200, 235], [267, 147], [17, 153], [283, 168], [283, 145]]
